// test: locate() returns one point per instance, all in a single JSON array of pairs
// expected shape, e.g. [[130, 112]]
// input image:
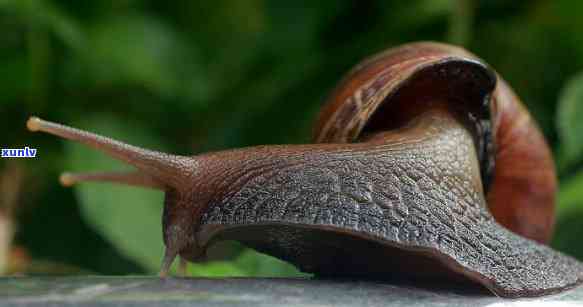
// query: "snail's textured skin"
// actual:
[[419, 196]]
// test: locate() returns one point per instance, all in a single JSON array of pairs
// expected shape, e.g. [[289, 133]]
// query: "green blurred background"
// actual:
[[193, 76]]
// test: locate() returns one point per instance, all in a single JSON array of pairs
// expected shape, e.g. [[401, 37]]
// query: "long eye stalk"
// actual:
[[131, 178], [157, 169]]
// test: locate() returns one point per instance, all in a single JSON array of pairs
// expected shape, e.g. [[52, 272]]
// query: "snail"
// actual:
[[424, 164]]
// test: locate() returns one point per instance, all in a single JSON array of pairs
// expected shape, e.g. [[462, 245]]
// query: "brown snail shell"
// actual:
[[410, 147], [522, 196]]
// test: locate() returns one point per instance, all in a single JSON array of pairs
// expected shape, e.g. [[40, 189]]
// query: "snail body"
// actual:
[[422, 166]]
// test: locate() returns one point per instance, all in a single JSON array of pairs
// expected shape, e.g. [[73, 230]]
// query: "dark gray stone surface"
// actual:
[[152, 291]]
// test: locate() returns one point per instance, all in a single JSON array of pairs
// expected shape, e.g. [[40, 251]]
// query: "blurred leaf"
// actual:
[[46, 14], [568, 233], [39, 54], [258, 264], [461, 22], [566, 13], [139, 50], [421, 12], [568, 230], [128, 217], [248, 263], [216, 269], [13, 79], [570, 195], [569, 123]]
